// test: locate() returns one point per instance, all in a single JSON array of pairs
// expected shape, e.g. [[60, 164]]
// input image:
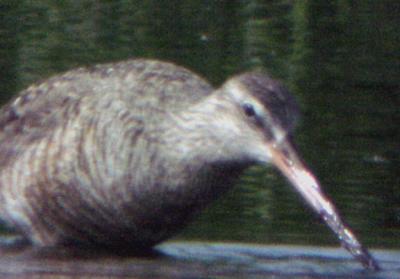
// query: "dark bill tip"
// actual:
[[285, 158]]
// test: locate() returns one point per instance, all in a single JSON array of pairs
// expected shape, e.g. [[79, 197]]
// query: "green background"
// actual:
[[340, 58]]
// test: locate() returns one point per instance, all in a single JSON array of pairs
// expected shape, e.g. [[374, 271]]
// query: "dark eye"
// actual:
[[248, 109]]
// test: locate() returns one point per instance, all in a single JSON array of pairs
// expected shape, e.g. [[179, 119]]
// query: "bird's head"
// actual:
[[256, 115], [264, 111], [252, 117]]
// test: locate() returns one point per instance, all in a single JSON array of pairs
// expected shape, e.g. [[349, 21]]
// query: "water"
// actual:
[[201, 260], [244, 261], [340, 58]]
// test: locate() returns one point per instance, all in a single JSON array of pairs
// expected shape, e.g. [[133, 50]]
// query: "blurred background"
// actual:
[[340, 58]]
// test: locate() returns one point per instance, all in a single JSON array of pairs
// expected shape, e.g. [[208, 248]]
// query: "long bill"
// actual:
[[286, 159]]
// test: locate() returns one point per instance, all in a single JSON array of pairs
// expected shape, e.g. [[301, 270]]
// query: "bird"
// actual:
[[126, 154]]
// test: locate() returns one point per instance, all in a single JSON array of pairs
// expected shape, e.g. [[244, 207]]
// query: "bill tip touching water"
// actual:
[[126, 154], [309, 188]]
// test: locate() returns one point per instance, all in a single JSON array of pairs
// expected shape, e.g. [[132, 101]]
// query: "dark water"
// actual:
[[191, 260], [340, 58]]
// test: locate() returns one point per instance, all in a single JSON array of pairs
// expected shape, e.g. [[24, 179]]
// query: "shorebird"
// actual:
[[126, 154]]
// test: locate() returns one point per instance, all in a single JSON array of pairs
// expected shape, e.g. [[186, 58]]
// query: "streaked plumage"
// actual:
[[126, 154]]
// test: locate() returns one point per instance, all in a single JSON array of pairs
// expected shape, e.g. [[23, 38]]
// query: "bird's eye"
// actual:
[[248, 109]]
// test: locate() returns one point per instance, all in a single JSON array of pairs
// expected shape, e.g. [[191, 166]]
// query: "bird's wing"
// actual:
[[29, 117], [145, 87]]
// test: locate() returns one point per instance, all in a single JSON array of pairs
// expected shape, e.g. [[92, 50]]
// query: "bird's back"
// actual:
[[147, 89]]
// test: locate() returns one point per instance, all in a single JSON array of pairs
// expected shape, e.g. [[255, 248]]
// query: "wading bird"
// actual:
[[125, 154]]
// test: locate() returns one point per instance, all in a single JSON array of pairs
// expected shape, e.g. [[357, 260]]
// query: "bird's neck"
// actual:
[[194, 136]]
